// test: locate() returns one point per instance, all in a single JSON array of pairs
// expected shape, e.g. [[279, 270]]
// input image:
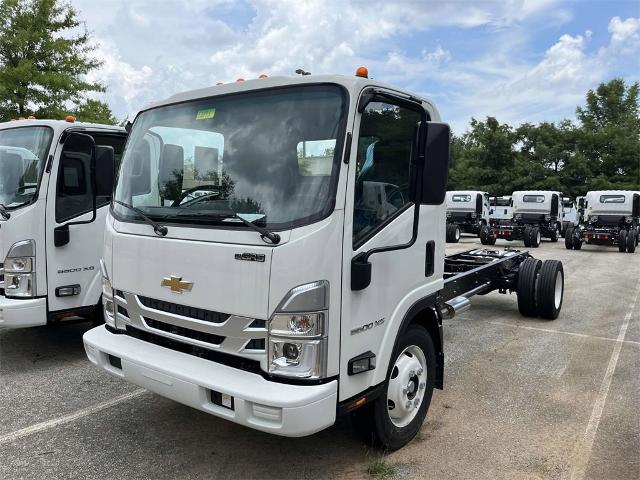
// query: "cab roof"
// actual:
[[353, 84], [59, 126]]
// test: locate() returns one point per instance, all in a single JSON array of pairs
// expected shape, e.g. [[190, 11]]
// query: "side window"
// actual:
[[74, 195], [385, 148], [117, 143]]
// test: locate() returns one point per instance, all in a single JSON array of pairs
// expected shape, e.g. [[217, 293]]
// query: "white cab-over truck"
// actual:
[[501, 208], [56, 180], [536, 214], [611, 217], [467, 212], [571, 214], [249, 272]]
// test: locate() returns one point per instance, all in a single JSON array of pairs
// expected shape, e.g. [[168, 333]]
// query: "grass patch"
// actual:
[[378, 467]]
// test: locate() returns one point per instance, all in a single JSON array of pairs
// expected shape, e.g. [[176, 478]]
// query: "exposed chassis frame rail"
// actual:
[[478, 272]]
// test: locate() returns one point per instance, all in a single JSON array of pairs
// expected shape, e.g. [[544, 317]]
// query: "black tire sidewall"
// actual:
[[388, 435]]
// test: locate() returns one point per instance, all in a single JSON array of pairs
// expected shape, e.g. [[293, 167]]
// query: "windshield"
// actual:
[[270, 156], [500, 202], [23, 152]]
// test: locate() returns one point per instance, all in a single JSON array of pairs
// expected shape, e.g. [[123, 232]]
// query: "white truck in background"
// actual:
[[467, 212], [570, 213], [611, 217], [56, 180], [285, 294], [501, 208]]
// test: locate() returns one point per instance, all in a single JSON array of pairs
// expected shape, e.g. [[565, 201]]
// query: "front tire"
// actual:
[[393, 419]]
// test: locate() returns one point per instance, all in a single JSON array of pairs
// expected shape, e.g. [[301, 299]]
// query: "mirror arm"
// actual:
[[364, 257]]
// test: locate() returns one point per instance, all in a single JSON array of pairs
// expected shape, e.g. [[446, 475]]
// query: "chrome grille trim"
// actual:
[[236, 331]]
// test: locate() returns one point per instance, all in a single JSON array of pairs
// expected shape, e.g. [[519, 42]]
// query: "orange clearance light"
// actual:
[[70, 118], [362, 72], [240, 80], [263, 76]]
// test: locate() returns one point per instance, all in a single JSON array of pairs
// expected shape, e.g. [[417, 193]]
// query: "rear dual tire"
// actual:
[[540, 288], [452, 233], [632, 240], [532, 237], [485, 236]]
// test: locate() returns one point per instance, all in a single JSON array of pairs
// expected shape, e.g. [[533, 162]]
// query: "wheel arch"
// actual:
[[425, 313]]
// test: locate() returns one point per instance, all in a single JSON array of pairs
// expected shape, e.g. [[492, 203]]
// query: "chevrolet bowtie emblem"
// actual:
[[176, 285]]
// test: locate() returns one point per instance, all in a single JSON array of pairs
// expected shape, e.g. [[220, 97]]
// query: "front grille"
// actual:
[[183, 310], [123, 311], [184, 332], [233, 361]]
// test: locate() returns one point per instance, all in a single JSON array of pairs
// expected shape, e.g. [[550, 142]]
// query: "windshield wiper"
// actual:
[[273, 237], [4, 212], [160, 230]]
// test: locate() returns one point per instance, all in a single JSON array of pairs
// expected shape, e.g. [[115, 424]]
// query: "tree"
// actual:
[[43, 63], [610, 135], [95, 111]]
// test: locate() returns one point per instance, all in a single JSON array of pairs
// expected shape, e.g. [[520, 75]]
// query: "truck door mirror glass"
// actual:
[[554, 205], [105, 170], [140, 175], [435, 172], [479, 204], [635, 212], [170, 175], [581, 203]]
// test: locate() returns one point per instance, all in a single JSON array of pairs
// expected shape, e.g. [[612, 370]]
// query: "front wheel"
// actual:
[[393, 419]]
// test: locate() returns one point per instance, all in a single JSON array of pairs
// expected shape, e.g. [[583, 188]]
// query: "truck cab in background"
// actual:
[[501, 208], [571, 214], [611, 217], [56, 180], [467, 212], [536, 214]]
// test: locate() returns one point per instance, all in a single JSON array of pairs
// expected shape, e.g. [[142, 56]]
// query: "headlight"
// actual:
[[19, 275], [298, 333], [547, 217], [628, 219], [473, 215], [593, 218], [448, 214], [518, 216]]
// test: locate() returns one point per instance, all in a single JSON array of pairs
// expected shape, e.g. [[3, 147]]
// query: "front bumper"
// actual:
[[16, 313], [282, 409]]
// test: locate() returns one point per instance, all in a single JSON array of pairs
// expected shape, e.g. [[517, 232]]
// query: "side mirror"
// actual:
[[479, 204], [431, 170], [491, 212], [581, 203], [105, 171]]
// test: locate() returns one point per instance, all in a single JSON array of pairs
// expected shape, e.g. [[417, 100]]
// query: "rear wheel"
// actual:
[[526, 291], [448, 232], [527, 236], [394, 418], [550, 289], [534, 237], [622, 240], [484, 234], [568, 238], [631, 241], [555, 234], [455, 233], [577, 243]]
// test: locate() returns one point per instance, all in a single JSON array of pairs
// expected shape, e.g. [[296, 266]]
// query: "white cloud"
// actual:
[[153, 49]]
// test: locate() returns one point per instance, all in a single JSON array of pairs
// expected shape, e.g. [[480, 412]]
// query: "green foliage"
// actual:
[[599, 151], [43, 61]]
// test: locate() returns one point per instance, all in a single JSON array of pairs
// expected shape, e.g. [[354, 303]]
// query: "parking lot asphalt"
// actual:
[[523, 398]]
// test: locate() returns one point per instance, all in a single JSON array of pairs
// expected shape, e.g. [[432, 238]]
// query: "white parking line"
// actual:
[[573, 334], [39, 427], [582, 451]]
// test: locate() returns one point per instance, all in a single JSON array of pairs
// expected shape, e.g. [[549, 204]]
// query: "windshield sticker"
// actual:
[[206, 114]]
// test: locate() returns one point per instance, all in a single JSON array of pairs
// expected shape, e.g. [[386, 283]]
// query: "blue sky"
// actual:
[[518, 60]]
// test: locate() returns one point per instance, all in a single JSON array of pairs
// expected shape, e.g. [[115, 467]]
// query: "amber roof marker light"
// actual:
[[70, 118], [362, 72]]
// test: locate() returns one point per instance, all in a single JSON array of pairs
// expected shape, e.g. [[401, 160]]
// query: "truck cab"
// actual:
[[611, 217], [274, 256], [500, 208], [467, 212], [570, 213], [56, 179]]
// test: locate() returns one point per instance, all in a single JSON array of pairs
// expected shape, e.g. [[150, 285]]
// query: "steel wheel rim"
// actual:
[[407, 385], [538, 237], [457, 234], [558, 290]]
